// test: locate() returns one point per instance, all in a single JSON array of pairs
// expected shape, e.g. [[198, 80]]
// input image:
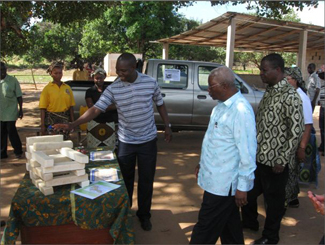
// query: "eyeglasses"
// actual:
[[209, 87]]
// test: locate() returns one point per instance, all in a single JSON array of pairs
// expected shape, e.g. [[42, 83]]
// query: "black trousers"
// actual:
[[218, 217], [9, 129], [145, 155], [273, 188]]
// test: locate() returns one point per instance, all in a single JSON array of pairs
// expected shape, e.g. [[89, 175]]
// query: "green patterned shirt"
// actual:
[[279, 125]]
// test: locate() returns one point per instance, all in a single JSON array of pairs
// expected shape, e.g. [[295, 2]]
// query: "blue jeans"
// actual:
[[145, 155]]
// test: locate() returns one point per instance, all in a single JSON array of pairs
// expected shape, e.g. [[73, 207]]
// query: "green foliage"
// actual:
[[129, 27], [271, 9], [52, 42]]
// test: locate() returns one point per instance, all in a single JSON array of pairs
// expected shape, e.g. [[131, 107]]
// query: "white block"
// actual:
[[63, 166], [34, 163], [79, 172], [74, 155], [46, 190], [44, 138], [84, 183], [66, 179], [47, 152], [43, 159], [42, 146], [60, 158], [38, 172], [28, 155], [28, 167]]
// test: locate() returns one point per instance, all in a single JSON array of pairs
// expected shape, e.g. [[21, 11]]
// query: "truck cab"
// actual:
[[184, 87]]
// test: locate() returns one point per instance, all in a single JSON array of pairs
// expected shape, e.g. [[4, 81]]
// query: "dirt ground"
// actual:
[[177, 198]]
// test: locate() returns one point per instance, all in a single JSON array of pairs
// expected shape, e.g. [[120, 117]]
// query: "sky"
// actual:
[[202, 10]]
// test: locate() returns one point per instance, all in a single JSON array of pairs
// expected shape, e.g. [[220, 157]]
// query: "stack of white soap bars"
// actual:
[[52, 162]]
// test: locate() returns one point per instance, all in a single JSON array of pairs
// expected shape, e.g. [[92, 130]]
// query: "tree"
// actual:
[[129, 27], [17, 17], [53, 41], [271, 9]]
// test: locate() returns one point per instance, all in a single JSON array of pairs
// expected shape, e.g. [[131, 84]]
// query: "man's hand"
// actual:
[[197, 170], [241, 198], [20, 113], [62, 127], [317, 201], [277, 169], [168, 134], [301, 155]]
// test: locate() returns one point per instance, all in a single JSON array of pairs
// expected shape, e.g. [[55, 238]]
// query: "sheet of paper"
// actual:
[[95, 190], [101, 155], [172, 75], [106, 174]]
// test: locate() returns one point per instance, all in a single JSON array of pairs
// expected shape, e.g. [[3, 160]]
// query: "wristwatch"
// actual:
[[169, 125]]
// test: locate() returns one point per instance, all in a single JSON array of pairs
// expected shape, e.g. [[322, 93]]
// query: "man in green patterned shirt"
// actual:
[[279, 127]]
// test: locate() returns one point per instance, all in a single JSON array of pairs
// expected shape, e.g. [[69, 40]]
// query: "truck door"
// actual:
[[177, 91], [203, 103]]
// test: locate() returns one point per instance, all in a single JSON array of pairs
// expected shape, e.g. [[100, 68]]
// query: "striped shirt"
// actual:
[[134, 106]]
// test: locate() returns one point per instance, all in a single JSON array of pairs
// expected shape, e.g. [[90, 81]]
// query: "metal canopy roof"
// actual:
[[252, 34]]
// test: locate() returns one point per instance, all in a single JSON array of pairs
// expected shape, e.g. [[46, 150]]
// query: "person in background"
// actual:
[[80, 74], [100, 130], [10, 99], [279, 126], [226, 168], [321, 147], [56, 100], [294, 77], [318, 203], [87, 67], [133, 94], [313, 86]]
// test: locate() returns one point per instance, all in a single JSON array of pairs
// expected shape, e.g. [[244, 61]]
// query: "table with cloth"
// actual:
[[29, 207]]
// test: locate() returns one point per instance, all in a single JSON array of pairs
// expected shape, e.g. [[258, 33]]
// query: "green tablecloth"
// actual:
[[30, 207]]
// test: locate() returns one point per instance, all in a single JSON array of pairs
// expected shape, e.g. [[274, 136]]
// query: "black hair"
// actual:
[[276, 60], [312, 66], [128, 57]]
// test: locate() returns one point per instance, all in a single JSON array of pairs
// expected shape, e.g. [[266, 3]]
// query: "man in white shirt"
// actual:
[[313, 86], [227, 164]]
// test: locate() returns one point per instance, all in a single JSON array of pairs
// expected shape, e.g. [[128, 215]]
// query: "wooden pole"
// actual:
[[33, 78]]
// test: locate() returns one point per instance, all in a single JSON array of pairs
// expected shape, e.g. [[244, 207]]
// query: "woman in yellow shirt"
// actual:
[[56, 101]]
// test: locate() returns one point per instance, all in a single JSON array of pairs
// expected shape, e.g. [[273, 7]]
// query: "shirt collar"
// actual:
[[231, 100], [278, 86]]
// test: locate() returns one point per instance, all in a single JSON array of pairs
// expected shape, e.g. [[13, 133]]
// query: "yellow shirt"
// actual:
[[55, 98], [80, 75]]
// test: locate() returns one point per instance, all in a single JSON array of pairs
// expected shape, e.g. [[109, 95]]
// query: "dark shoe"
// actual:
[[294, 203], [263, 240], [146, 224], [18, 156], [253, 228]]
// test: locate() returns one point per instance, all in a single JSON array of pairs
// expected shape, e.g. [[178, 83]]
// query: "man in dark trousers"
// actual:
[[279, 126], [227, 164], [10, 99], [133, 94]]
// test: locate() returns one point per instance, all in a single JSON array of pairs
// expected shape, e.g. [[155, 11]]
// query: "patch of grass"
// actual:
[[29, 78]]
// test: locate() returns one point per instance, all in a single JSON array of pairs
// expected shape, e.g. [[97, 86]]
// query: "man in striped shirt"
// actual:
[[133, 94]]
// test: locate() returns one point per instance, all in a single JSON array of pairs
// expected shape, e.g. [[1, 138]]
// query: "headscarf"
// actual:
[[100, 71], [296, 74]]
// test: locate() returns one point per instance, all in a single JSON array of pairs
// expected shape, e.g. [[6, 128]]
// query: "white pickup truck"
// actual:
[[184, 89]]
